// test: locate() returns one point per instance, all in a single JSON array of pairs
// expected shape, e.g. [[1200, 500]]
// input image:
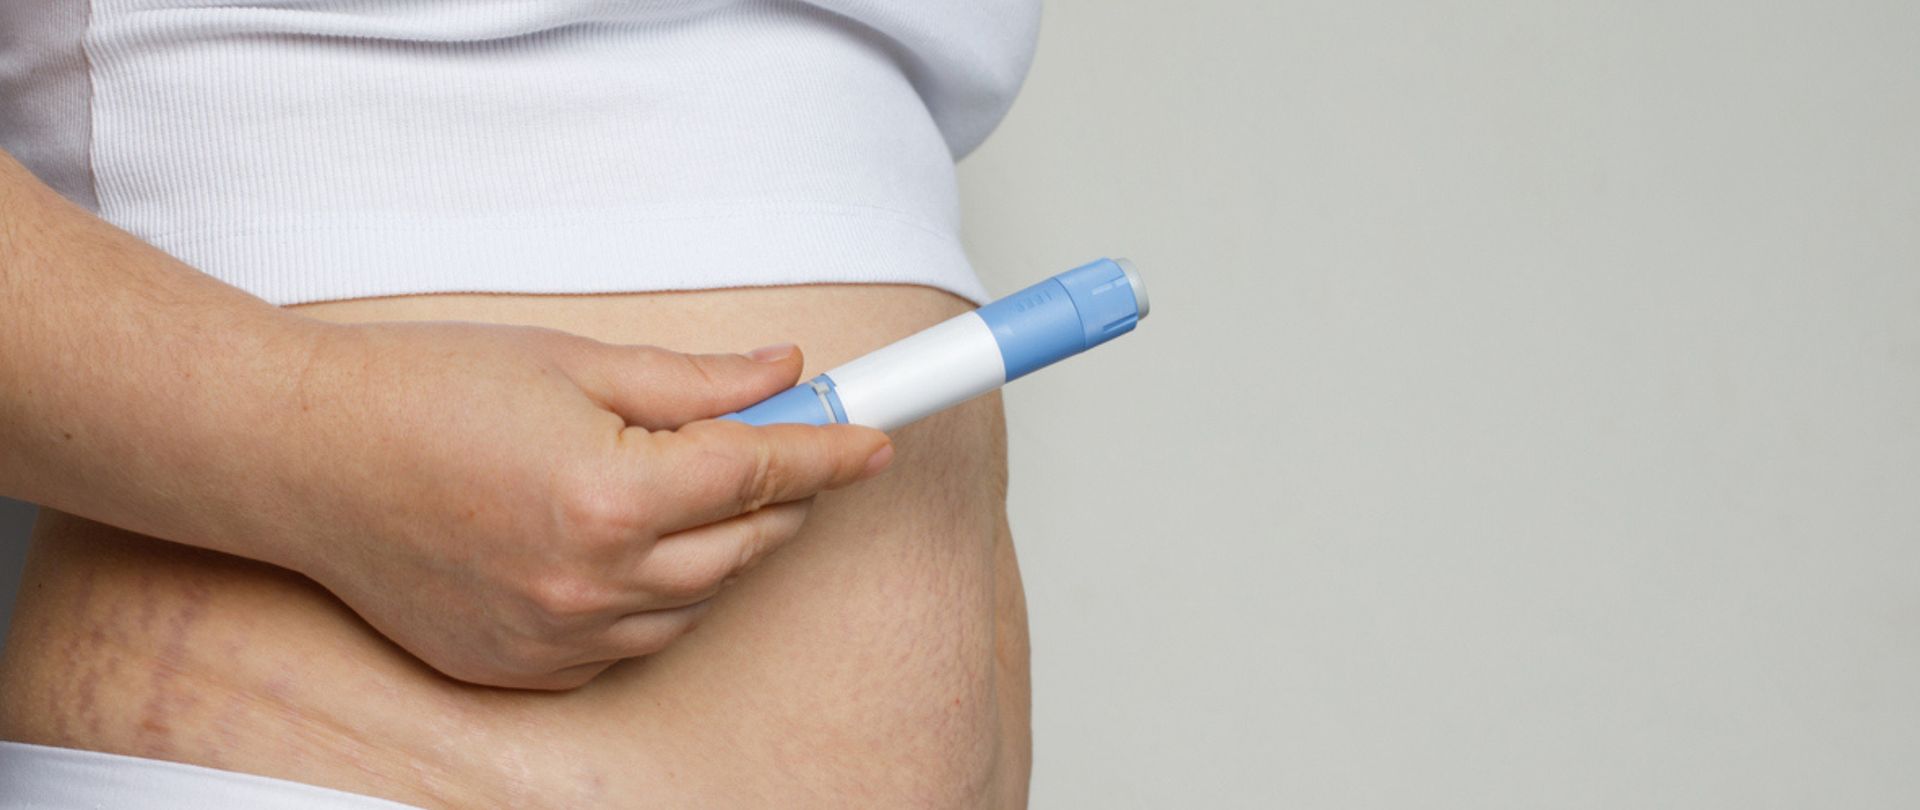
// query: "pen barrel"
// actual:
[[935, 369], [969, 354]]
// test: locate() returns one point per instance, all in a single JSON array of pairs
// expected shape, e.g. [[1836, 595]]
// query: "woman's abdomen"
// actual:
[[877, 659]]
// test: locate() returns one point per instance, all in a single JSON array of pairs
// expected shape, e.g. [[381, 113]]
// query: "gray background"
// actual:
[[1529, 417]]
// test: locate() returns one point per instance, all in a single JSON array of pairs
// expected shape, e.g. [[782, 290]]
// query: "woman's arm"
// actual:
[[427, 474], [126, 374]]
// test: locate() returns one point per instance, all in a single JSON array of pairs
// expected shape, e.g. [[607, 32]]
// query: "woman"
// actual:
[[369, 553]]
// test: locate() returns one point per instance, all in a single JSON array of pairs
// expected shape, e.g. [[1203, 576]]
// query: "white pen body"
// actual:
[[935, 369]]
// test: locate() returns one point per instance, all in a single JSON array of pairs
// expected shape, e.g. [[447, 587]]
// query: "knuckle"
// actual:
[[597, 514], [773, 536], [763, 536], [762, 481], [755, 538], [646, 355], [696, 369], [688, 580], [561, 600]]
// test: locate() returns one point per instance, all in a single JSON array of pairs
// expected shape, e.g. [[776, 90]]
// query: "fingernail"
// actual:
[[878, 461], [772, 354]]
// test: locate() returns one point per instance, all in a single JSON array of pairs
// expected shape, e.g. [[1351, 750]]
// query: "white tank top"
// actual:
[[307, 150]]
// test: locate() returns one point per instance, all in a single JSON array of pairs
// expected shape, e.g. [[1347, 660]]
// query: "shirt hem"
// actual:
[[296, 262]]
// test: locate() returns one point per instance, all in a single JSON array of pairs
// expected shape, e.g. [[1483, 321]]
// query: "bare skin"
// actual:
[[878, 658], [515, 506]]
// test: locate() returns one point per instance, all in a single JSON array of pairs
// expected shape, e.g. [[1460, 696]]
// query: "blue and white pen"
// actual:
[[969, 354]]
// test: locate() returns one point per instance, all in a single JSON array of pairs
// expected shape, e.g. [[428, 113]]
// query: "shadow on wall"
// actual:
[[15, 519]]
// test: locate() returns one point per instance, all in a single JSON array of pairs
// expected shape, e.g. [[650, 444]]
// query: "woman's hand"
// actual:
[[523, 507], [517, 507]]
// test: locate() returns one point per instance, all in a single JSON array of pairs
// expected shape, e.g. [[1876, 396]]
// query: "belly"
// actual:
[[877, 659]]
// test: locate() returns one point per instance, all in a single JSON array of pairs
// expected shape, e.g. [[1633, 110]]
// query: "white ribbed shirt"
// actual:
[[307, 150]]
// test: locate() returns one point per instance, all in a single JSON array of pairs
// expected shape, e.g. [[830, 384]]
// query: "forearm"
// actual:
[[132, 383]]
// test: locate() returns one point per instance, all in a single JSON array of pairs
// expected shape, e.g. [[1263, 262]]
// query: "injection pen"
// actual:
[[969, 354]]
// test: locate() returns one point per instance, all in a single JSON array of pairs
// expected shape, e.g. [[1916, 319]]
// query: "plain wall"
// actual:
[[1529, 415], [16, 519]]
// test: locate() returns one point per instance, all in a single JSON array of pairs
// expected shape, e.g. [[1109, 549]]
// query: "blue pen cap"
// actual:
[[1066, 315]]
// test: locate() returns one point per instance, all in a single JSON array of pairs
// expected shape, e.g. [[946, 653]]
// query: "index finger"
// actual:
[[712, 470]]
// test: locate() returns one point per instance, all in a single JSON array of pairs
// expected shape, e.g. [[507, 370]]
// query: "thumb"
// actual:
[[658, 389]]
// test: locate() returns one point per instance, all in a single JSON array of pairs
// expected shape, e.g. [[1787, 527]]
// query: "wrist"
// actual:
[[246, 444], [180, 435]]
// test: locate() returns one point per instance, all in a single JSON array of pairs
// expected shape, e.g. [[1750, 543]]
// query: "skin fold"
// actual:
[[877, 659]]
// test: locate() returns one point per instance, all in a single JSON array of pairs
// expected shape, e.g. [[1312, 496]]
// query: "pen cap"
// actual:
[[1066, 315]]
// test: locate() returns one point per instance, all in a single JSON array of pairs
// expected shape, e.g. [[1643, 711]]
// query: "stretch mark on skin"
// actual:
[[166, 699], [88, 668]]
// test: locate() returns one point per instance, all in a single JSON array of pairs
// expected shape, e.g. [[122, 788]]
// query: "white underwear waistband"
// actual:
[[39, 777]]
